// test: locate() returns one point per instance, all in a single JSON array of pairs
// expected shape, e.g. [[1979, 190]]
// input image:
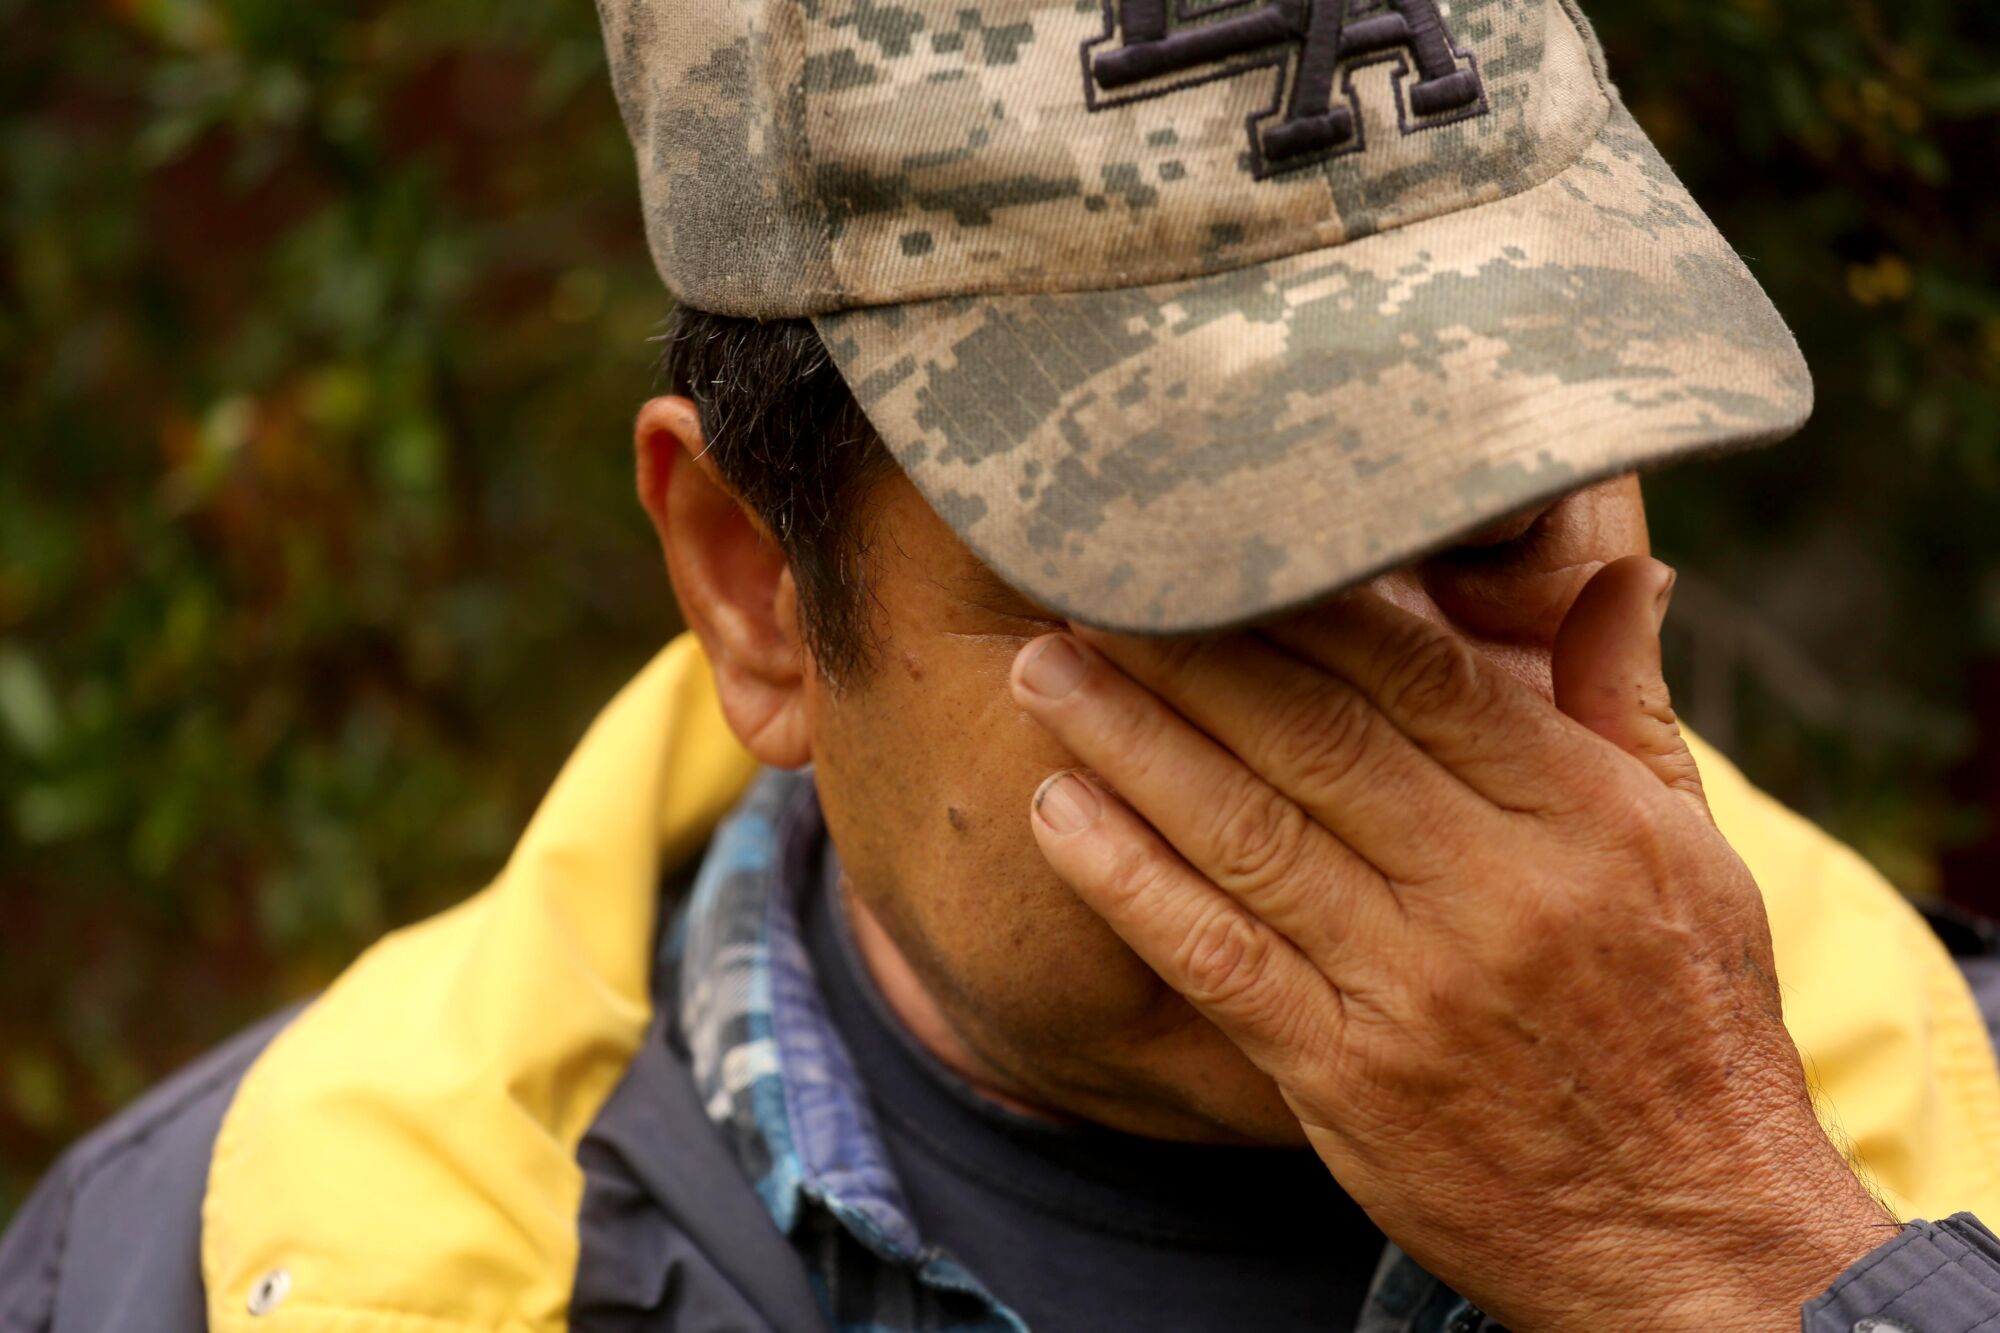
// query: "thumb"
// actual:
[[1607, 669]]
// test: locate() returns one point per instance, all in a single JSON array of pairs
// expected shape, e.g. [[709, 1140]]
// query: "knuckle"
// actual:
[[1440, 993], [1634, 815], [1321, 740], [1128, 876], [1225, 960], [1546, 929], [1133, 729], [1401, 1061], [1433, 672], [1545, 921], [1649, 820], [1664, 750], [1259, 839]]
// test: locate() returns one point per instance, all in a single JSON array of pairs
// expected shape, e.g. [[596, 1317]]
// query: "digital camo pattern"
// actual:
[[1192, 455], [1151, 388], [801, 156], [712, 96]]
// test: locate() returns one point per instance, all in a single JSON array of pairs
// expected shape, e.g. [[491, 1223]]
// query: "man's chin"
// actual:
[[1260, 1125], [1238, 1106]]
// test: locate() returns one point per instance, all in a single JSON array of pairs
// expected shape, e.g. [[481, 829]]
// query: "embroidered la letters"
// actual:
[[1308, 43]]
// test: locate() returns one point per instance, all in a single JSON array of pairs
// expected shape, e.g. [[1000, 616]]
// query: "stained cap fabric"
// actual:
[[1182, 312]]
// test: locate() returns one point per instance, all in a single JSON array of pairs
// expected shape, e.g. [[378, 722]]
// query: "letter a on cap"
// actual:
[[1167, 45]]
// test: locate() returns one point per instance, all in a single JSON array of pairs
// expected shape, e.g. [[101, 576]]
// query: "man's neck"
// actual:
[[912, 1004]]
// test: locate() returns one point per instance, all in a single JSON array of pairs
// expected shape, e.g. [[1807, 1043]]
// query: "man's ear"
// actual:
[[733, 583]]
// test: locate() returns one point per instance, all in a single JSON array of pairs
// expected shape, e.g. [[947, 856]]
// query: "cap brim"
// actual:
[[1194, 455]]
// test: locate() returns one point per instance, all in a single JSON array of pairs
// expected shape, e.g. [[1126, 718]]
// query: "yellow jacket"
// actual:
[[404, 1152]]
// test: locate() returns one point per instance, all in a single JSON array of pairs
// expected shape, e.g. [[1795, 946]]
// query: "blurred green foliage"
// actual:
[[1838, 626], [320, 332], [321, 328]]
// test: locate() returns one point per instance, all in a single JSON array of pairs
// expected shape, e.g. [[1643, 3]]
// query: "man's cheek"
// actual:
[[1006, 925]]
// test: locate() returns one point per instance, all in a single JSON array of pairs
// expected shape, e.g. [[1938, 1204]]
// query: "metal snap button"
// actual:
[[269, 1291]]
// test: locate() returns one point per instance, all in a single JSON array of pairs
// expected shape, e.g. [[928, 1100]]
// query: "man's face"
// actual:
[[926, 769]]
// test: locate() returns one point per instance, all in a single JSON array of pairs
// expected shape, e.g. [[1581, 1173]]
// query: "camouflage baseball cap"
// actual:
[[1182, 312]]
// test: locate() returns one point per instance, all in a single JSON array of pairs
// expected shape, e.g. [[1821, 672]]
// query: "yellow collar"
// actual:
[[1899, 1057]]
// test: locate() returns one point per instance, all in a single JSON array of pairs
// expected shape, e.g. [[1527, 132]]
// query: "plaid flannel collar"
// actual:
[[779, 1084]]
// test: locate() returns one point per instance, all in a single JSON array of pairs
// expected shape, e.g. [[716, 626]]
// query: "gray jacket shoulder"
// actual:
[[111, 1239], [670, 1233]]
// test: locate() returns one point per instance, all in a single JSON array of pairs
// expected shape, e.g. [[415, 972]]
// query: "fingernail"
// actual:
[[1067, 804], [1055, 668], [1665, 597]]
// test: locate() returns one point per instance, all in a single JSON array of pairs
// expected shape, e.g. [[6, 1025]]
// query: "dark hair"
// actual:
[[786, 434]]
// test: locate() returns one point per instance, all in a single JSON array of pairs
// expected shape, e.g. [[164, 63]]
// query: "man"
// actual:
[[1154, 485]]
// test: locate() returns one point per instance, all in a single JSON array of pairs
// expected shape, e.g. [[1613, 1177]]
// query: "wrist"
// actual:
[[1748, 1262], [1756, 1269]]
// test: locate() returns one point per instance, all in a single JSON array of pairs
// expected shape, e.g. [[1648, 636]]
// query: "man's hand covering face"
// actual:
[[1514, 984]]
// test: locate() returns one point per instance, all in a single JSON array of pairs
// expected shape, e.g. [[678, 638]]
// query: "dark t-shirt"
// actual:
[[1083, 1228]]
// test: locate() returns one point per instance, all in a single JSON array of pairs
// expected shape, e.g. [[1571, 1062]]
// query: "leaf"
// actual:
[[28, 710]]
